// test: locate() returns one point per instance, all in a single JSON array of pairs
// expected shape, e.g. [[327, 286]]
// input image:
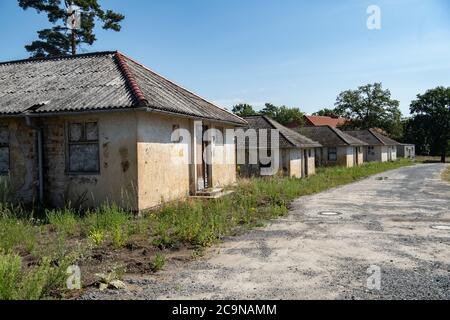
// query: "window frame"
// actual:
[[330, 153], [6, 146], [83, 141]]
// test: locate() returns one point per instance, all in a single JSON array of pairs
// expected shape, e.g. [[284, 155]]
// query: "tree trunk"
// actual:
[[74, 42]]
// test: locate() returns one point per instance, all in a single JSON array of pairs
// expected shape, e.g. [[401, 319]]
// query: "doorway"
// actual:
[[305, 169], [203, 150]]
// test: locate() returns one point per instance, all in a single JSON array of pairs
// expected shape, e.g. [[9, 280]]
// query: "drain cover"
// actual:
[[446, 228], [330, 213]]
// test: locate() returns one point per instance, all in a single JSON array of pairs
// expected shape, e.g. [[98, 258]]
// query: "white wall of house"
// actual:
[[380, 153]]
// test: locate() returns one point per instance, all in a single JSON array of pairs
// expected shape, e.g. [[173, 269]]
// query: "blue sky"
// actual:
[[291, 52]]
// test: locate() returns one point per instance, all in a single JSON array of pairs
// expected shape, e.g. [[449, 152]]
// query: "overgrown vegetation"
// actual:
[[35, 254]]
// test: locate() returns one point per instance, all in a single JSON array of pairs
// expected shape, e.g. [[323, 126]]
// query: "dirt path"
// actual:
[[384, 221]]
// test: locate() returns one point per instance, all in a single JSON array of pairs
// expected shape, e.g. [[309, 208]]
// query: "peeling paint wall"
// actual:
[[117, 180], [165, 172], [345, 157], [140, 166], [224, 160], [294, 157], [22, 178], [311, 162], [163, 165]]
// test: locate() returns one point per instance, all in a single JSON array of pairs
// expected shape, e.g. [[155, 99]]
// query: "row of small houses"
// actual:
[[325, 145], [95, 128]]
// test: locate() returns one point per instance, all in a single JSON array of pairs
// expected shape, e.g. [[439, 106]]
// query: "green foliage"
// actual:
[[65, 222], [19, 283], [10, 272], [17, 234], [57, 40], [369, 107], [431, 121], [158, 262], [326, 112], [119, 237], [283, 114], [107, 218], [97, 237], [244, 110]]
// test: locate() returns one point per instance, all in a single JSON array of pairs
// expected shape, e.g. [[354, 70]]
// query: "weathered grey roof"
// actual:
[[96, 81], [373, 138], [288, 137], [330, 137]]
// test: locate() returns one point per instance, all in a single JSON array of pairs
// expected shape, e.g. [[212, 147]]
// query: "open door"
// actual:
[[203, 166], [305, 169]]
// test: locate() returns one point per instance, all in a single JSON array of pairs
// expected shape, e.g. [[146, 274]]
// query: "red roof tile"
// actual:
[[317, 121]]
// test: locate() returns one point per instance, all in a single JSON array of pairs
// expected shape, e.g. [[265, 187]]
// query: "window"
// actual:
[[83, 148], [4, 150], [371, 151], [332, 154]]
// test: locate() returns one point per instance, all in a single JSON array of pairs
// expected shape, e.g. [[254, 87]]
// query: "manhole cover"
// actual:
[[330, 213], [446, 228]]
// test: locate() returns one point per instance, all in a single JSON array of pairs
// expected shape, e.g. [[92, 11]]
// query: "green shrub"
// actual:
[[10, 273], [119, 237], [65, 222], [97, 237], [16, 233], [106, 218], [19, 283], [158, 262]]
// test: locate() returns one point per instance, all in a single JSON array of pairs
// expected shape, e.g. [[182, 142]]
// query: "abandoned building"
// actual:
[[96, 128], [407, 151], [295, 152], [379, 147], [338, 148]]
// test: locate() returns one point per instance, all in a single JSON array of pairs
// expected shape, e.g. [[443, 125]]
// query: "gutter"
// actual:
[[40, 153]]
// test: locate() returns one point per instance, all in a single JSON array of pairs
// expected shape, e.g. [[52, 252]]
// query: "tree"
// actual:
[[325, 112], [283, 114], [244, 110], [59, 40], [433, 108], [416, 132], [370, 106]]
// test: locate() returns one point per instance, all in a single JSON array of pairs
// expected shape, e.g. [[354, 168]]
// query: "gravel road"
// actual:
[[384, 223]]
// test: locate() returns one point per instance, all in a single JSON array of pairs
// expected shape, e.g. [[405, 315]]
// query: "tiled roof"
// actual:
[[373, 138], [96, 81], [288, 137], [318, 121], [330, 137]]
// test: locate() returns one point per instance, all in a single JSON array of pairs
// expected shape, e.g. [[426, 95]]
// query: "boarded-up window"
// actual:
[[83, 148], [332, 154], [4, 150]]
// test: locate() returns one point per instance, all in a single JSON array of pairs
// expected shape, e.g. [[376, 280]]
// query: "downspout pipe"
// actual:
[[40, 154]]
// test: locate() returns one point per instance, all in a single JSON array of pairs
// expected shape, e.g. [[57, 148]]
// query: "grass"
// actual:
[[194, 223]]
